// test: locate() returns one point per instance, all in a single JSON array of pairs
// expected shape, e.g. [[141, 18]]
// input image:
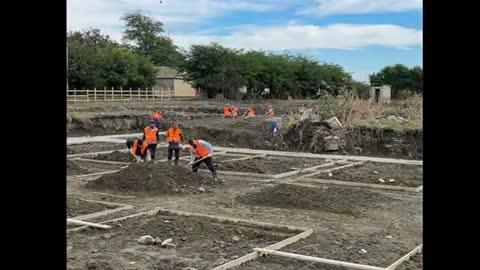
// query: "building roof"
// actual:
[[167, 73]]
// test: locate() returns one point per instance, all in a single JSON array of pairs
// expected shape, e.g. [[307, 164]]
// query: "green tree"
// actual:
[[401, 78], [214, 69], [121, 67], [146, 35]]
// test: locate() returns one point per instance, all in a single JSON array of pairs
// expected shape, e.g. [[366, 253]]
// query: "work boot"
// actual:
[[176, 162], [215, 176]]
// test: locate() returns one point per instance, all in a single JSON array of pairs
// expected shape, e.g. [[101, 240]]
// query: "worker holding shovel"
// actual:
[[138, 148], [201, 151]]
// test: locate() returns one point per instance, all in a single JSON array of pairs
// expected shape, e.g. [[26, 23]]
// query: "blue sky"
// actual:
[[361, 35]]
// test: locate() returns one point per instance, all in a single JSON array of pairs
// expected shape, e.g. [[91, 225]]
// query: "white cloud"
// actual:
[[331, 7], [82, 14], [291, 36]]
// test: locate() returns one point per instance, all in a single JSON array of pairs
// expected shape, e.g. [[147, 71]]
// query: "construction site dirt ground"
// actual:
[[345, 220], [371, 172]]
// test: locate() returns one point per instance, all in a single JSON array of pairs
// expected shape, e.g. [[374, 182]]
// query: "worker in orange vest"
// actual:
[[269, 111], [227, 111], [201, 151], [174, 138], [151, 137], [157, 117], [234, 112], [138, 149], [249, 113]]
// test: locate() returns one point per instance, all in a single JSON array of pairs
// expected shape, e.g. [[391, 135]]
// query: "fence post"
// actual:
[[146, 93], [113, 95], [130, 93], [105, 94], [74, 95], [121, 93], [139, 93], [87, 95]]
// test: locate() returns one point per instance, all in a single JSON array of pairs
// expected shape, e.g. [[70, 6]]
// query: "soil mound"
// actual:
[[73, 168], [154, 178], [77, 207], [116, 156], [343, 200]]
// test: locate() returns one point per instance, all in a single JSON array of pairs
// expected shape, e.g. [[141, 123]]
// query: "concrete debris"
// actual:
[[107, 235], [158, 240], [95, 251], [334, 122], [235, 239], [362, 251], [375, 172], [330, 174], [170, 245], [389, 237], [168, 241], [381, 180], [391, 180], [146, 240], [201, 189], [331, 146], [237, 230]]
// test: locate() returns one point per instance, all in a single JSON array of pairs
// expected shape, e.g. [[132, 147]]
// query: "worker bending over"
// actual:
[[157, 117], [151, 137], [201, 151], [249, 113], [234, 112], [174, 138], [269, 111], [138, 148], [227, 111]]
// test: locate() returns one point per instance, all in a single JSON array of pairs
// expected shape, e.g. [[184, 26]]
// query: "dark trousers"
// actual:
[[173, 146], [208, 161], [156, 123], [153, 149]]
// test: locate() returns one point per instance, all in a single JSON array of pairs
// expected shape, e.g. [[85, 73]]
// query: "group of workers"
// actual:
[[232, 111], [145, 148]]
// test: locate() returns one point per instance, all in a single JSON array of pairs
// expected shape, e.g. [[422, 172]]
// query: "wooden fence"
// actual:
[[112, 95]]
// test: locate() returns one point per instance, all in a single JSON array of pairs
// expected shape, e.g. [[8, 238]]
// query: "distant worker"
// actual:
[[234, 112], [151, 137], [201, 151], [249, 113], [303, 107], [174, 138], [227, 111], [269, 111], [157, 117], [274, 127], [138, 148]]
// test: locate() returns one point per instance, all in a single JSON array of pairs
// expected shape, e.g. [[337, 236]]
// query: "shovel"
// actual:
[[199, 160]]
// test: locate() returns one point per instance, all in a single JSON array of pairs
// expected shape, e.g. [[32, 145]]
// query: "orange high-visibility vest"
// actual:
[[201, 151], [150, 135], [234, 111], [226, 111], [251, 112], [173, 135], [157, 116], [135, 145]]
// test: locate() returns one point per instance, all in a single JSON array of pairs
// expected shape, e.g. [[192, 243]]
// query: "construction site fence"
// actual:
[[117, 95]]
